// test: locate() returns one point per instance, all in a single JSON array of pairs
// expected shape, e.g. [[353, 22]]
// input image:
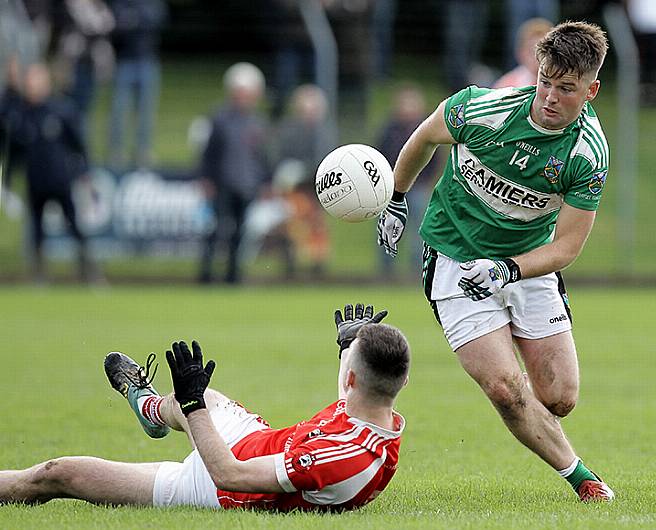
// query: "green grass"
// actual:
[[275, 349]]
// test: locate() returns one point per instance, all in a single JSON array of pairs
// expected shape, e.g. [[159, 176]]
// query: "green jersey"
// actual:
[[507, 177]]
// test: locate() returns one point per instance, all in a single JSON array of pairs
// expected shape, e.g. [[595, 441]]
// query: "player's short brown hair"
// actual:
[[383, 356], [578, 48]]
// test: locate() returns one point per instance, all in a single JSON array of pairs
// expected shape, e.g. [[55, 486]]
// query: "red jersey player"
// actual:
[[340, 459]]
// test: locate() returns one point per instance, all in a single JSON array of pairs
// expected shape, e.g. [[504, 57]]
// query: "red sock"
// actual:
[[150, 409]]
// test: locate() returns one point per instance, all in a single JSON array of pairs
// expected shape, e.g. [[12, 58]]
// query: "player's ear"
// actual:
[[350, 379], [407, 380], [593, 90]]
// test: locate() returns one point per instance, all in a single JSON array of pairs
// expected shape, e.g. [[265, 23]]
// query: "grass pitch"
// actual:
[[275, 351]]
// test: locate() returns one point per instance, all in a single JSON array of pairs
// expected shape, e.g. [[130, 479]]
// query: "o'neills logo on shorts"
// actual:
[[501, 194], [559, 318]]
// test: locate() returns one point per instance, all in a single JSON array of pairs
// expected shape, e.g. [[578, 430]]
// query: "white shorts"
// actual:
[[535, 308], [189, 483]]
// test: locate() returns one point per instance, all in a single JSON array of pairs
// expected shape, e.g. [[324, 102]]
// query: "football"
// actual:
[[354, 182]]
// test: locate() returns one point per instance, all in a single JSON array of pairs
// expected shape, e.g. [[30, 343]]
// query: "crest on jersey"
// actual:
[[552, 169], [597, 182], [302, 463], [457, 116], [314, 433]]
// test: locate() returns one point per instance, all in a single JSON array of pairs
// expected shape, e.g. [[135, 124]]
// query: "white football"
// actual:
[[354, 182]]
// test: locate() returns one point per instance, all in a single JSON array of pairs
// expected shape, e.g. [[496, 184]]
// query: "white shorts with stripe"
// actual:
[[189, 483], [535, 308]]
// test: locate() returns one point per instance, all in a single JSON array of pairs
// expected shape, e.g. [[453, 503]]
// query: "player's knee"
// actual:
[[562, 407], [54, 474], [507, 396]]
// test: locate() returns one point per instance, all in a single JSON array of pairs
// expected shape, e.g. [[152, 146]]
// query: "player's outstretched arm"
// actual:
[[190, 379], [415, 154], [347, 326]]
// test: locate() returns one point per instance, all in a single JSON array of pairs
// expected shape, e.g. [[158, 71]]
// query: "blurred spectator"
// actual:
[[10, 120], [384, 15], [19, 36], [466, 27], [234, 164], [526, 71], [293, 61], [54, 157], [40, 15], [137, 78], [302, 143], [642, 15], [83, 52], [408, 111], [519, 11], [351, 22]]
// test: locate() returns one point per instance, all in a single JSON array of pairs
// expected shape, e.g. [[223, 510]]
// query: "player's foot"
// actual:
[[133, 382], [595, 491]]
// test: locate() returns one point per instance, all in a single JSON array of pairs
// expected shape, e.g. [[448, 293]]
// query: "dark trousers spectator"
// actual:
[[37, 200], [136, 92], [230, 211]]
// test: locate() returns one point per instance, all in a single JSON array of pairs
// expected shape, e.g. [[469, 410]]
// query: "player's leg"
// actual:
[[171, 415], [552, 367], [491, 362], [78, 477]]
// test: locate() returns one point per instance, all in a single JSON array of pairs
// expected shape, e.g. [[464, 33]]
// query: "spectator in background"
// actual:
[[10, 121], [408, 111], [466, 27], [384, 15], [519, 11], [234, 164], [526, 71], [83, 52], [351, 22], [55, 157], [642, 15], [136, 44], [293, 60], [302, 143]]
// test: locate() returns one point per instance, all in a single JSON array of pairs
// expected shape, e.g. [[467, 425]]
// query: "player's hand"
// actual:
[[190, 377], [484, 277], [391, 225], [349, 324]]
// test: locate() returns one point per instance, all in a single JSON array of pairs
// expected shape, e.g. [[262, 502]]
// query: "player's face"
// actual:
[[559, 100]]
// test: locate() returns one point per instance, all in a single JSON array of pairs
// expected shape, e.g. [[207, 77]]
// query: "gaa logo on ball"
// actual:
[[354, 182]]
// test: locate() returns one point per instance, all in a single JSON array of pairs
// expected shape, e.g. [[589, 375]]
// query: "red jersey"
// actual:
[[332, 461]]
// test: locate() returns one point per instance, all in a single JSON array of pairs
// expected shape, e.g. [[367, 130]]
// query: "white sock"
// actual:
[[570, 469]]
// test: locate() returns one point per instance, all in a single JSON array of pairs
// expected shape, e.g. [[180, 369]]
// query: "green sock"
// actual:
[[579, 474]]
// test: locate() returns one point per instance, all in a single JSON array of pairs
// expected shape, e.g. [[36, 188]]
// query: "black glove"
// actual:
[[348, 326], [189, 377]]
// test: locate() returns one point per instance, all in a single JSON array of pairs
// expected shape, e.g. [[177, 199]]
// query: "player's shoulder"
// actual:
[[591, 143], [489, 107]]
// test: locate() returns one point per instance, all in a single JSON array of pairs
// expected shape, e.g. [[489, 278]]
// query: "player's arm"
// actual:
[[414, 156], [420, 147], [256, 475], [572, 230], [484, 277], [190, 380]]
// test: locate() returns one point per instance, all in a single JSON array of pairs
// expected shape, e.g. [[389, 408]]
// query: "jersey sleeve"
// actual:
[[587, 188], [455, 113], [590, 162], [318, 464]]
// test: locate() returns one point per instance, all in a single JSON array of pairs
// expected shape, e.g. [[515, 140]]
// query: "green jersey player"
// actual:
[[514, 206]]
